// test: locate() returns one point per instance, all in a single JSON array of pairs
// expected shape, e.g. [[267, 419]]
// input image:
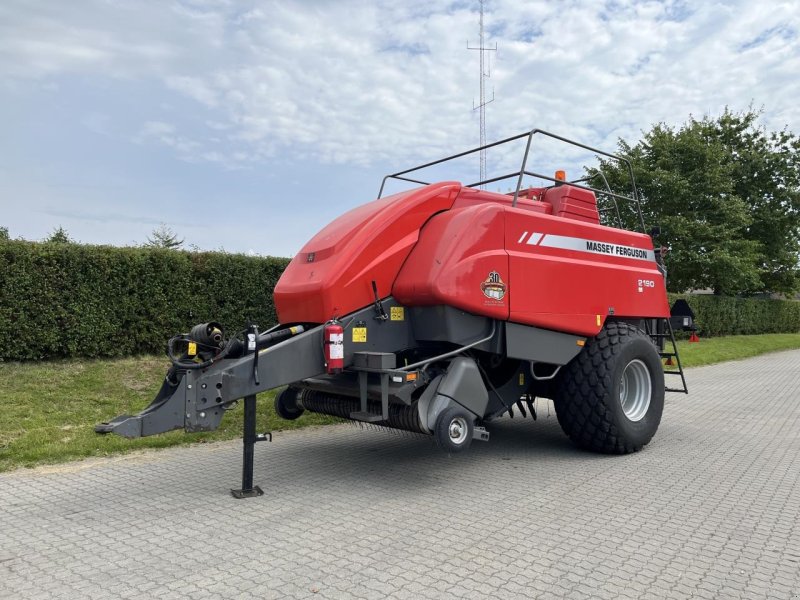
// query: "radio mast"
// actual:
[[485, 73]]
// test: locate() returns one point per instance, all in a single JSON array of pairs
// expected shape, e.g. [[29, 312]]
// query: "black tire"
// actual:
[[454, 429], [286, 404], [591, 392]]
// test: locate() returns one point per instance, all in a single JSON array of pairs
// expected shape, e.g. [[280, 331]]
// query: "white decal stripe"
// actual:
[[535, 239], [522, 237], [564, 242]]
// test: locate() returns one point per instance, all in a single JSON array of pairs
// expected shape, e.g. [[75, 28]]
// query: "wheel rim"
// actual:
[[457, 430], [635, 390]]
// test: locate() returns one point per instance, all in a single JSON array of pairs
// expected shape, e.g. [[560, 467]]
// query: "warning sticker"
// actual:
[[359, 334], [192, 349], [398, 313], [337, 346]]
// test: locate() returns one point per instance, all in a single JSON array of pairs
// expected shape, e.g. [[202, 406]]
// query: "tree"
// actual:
[[4, 234], [164, 237], [726, 194], [766, 173], [59, 236]]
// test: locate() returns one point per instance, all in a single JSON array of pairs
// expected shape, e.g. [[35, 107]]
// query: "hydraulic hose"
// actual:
[[233, 348], [191, 365]]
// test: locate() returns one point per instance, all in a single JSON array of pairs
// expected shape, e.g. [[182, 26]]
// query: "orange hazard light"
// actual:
[[561, 175]]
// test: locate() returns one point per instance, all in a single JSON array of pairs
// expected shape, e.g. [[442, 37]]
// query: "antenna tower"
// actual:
[[485, 73]]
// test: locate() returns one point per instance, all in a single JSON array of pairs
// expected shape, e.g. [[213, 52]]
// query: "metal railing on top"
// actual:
[[607, 192]]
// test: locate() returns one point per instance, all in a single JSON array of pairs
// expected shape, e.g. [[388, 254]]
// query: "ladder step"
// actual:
[[670, 335]]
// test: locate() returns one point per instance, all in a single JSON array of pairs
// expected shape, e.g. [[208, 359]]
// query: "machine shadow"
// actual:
[[405, 463]]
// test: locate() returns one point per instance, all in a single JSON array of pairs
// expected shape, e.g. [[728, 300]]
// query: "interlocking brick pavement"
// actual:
[[708, 510]]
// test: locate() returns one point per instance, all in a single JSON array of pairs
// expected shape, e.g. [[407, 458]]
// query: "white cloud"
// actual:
[[195, 88], [157, 128], [166, 134], [360, 82]]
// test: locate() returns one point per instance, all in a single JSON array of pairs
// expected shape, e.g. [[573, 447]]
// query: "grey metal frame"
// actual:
[[634, 197], [198, 399]]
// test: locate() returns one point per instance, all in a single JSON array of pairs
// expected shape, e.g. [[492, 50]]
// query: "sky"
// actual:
[[247, 126]]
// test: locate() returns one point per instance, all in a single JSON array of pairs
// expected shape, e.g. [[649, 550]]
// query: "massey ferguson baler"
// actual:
[[441, 308]]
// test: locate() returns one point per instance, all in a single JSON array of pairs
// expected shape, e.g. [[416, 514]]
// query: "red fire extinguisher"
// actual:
[[333, 346]]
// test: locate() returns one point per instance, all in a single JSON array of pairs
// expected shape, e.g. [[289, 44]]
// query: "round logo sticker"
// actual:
[[493, 286]]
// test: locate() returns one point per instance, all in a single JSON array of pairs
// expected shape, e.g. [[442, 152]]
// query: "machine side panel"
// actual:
[[570, 275], [460, 261], [446, 324], [541, 345], [332, 275]]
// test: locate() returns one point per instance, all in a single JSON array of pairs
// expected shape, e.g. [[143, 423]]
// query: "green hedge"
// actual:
[[63, 300], [718, 315]]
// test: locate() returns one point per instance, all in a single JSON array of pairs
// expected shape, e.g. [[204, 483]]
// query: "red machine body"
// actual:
[[442, 308], [546, 262], [333, 273]]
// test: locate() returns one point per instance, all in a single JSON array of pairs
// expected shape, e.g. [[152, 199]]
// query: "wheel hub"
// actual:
[[458, 430], [635, 390]]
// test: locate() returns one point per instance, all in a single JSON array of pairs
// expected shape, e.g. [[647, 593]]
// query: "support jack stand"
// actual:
[[252, 493], [249, 440]]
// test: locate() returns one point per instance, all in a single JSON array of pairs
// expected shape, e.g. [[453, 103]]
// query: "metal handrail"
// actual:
[[634, 197]]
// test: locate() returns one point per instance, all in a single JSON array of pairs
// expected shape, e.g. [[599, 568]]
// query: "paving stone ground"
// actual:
[[708, 510]]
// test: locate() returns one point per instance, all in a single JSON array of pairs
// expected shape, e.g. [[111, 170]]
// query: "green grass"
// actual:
[[49, 409], [735, 347]]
